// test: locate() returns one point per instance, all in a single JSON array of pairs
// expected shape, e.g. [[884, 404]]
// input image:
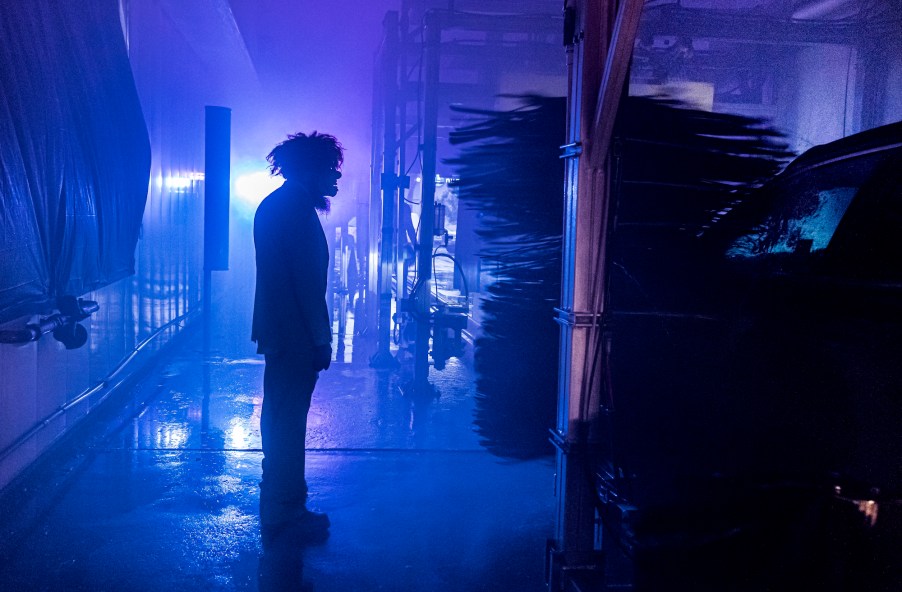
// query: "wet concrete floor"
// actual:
[[167, 499]]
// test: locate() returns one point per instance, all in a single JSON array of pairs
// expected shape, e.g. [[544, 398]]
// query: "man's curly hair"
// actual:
[[302, 153]]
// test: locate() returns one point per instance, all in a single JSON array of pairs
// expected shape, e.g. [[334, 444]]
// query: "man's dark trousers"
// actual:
[[288, 382]]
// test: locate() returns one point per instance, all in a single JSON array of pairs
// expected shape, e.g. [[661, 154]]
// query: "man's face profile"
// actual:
[[327, 182]]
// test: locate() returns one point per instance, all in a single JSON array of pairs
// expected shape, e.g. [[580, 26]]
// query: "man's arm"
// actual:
[[308, 262]]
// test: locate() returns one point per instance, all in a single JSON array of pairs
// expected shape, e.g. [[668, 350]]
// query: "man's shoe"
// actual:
[[303, 528], [310, 520]]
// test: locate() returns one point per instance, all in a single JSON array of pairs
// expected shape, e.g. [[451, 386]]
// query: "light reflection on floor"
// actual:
[[170, 501]]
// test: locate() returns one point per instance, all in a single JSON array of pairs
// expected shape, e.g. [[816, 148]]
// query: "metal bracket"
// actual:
[[571, 150], [574, 318]]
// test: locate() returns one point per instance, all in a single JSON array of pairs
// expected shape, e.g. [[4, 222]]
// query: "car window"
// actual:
[[807, 209]]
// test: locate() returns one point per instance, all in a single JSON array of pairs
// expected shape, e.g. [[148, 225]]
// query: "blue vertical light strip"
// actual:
[[216, 188]]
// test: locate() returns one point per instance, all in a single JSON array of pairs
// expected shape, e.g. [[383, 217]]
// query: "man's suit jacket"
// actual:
[[290, 311]]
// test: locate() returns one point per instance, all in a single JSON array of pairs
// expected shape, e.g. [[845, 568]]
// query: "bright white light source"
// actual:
[[253, 187], [178, 183], [183, 183]]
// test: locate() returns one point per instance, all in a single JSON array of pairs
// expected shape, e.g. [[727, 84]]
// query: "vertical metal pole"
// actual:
[[217, 170], [431, 65], [575, 527], [403, 180], [217, 150], [342, 283], [207, 304], [389, 184], [374, 212], [604, 32]]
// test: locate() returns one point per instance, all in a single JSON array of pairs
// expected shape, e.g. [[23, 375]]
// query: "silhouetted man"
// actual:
[[291, 321]]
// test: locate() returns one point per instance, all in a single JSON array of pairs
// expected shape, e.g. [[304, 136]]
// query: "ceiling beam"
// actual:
[[210, 30], [620, 51], [741, 27]]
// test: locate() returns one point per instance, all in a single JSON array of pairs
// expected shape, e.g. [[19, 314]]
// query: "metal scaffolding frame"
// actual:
[[422, 44], [599, 32]]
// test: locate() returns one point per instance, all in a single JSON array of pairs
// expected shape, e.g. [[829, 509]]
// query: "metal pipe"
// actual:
[[403, 179], [389, 183], [374, 210], [103, 384], [431, 66], [34, 331]]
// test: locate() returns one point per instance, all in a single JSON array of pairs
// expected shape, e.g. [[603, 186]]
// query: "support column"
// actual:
[[217, 171], [600, 34], [373, 213], [432, 61], [389, 186]]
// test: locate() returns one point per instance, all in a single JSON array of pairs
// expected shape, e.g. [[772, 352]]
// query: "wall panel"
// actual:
[[39, 381]]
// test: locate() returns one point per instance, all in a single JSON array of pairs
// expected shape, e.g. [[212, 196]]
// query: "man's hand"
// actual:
[[322, 357]]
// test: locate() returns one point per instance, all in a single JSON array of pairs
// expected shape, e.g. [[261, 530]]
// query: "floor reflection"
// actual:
[[171, 502], [281, 567]]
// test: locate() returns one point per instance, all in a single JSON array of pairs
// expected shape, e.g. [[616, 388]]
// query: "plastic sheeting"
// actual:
[[74, 153]]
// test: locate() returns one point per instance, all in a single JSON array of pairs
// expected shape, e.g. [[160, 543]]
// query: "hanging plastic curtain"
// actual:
[[74, 153]]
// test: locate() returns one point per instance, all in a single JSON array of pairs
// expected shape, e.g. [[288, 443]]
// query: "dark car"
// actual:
[[752, 427]]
